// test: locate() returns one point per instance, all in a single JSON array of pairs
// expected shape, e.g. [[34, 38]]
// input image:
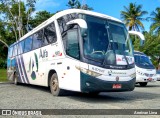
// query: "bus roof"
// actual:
[[65, 12]]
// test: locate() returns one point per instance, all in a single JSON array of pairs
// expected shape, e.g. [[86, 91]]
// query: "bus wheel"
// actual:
[[15, 79], [54, 86], [143, 84]]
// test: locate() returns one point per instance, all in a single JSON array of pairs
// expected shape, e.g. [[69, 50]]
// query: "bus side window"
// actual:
[[20, 47], [10, 52], [15, 50], [28, 44], [72, 44], [49, 35], [13, 60], [37, 39]]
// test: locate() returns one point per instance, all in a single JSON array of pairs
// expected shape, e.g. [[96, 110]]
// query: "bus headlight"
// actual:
[[89, 72], [140, 73], [133, 75]]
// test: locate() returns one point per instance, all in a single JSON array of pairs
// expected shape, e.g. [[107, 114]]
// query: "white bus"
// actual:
[[75, 50], [145, 70]]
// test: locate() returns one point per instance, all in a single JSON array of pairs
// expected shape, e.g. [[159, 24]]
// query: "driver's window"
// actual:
[[72, 44]]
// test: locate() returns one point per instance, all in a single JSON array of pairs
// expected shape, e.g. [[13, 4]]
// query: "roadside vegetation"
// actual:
[[3, 75]]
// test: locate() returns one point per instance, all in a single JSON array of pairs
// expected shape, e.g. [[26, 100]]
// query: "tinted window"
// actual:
[[72, 45], [20, 47], [49, 34], [10, 52], [28, 44], [142, 59], [37, 39], [15, 50]]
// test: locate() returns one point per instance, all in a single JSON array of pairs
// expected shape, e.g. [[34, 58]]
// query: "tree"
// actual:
[[17, 15], [40, 17], [155, 26], [30, 9], [152, 47], [132, 16], [75, 4], [2, 34]]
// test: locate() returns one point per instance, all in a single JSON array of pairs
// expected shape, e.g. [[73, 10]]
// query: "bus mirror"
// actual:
[[82, 23], [141, 42], [84, 32], [140, 35]]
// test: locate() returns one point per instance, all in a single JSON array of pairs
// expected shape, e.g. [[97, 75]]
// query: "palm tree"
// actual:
[[155, 26], [86, 7], [75, 4], [132, 16]]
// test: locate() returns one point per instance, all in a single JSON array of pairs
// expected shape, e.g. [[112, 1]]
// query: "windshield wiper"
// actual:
[[126, 58]]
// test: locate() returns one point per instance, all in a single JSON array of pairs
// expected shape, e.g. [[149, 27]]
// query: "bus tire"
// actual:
[[54, 86], [143, 84], [15, 79]]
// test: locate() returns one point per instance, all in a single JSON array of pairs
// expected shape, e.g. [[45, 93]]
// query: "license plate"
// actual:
[[117, 86], [149, 79]]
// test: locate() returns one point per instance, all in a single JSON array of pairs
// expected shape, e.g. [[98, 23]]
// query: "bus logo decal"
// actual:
[[57, 53], [43, 54], [33, 63]]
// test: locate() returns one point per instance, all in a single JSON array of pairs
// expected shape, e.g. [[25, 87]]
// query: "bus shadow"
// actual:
[[113, 97], [148, 86], [35, 87]]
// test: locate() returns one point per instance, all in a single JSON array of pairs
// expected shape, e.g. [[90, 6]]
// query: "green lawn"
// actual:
[[3, 75]]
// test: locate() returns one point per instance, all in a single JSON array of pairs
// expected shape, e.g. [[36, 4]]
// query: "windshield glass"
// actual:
[[142, 60], [107, 42]]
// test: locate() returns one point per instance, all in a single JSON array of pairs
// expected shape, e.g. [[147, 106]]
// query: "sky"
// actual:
[[108, 7]]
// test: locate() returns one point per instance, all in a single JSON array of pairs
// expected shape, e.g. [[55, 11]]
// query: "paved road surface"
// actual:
[[36, 97]]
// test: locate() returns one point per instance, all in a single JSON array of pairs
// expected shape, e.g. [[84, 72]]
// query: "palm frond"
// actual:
[[133, 15]]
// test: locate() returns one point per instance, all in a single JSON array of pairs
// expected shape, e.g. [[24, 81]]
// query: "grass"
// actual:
[[3, 75]]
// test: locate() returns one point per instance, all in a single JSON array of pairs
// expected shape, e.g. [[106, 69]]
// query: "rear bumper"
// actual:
[[92, 84]]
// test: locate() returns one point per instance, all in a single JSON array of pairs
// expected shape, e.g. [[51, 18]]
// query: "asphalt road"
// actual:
[[36, 97]]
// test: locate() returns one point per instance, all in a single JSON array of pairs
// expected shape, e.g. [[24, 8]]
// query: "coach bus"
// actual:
[[145, 70], [75, 50]]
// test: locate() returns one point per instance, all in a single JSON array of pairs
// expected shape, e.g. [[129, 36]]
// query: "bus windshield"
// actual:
[[106, 41], [142, 60]]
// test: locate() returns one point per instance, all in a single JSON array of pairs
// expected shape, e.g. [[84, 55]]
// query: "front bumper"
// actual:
[[92, 84], [158, 78], [146, 79]]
